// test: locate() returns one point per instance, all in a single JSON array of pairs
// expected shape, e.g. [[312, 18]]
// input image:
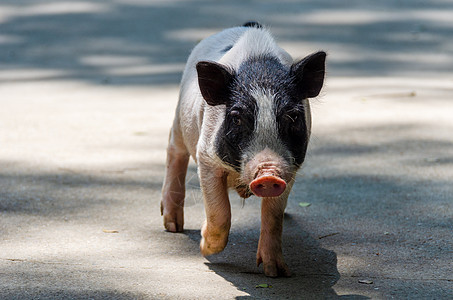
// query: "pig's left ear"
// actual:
[[308, 74], [214, 80]]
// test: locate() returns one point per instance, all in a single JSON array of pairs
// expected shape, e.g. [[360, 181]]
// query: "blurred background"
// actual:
[[147, 42]]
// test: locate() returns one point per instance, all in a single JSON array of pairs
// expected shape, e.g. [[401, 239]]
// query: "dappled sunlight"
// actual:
[[56, 8], [53, 125], [88, 91], [367, 40], [376, 124], [193, 35], [10, 39], [366, 15], [112, 60], [21, 75], [149, 69]]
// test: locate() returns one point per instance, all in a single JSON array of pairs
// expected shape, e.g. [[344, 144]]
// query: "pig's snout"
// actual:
[[267, 174], [268, 186]]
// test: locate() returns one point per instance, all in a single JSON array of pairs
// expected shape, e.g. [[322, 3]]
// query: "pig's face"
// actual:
[[265, 133]]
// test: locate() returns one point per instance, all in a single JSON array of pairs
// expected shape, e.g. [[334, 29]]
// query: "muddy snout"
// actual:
[[267, 182]]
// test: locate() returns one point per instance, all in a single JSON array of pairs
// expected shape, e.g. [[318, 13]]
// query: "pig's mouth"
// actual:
[[244, 191]]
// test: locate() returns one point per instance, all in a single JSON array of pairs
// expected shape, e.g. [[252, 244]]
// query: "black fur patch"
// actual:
[[237, 129], [253, 24], [292, 128], [235, 134]]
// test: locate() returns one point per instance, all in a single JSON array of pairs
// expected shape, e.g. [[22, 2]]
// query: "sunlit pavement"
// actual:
[[88, 91]]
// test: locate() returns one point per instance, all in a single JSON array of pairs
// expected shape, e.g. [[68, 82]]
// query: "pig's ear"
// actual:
[[308, 74], [214, 80]]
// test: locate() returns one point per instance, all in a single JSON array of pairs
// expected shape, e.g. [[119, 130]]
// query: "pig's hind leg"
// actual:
[[173, 190]]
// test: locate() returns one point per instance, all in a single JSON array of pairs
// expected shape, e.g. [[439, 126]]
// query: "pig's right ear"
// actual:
[[214, 80]]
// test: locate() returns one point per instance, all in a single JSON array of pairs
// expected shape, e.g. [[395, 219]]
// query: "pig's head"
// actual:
[[266, 129]]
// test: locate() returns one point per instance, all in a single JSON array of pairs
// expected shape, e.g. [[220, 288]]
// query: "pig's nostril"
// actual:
[[268, 186]]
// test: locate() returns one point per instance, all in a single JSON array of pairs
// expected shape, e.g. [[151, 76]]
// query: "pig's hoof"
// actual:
[[212, 243], [173, 220], [209, 248], [274, 268], [173, 227]]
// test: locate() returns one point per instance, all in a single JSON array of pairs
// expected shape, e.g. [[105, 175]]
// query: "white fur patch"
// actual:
[[266, 123], [265, 134], [253, 43]]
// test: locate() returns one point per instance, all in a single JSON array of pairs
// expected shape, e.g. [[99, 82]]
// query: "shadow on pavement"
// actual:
[[381, 223], [138, 43], [314, 268], [68, 294], [379, 219], [384, 223], [67, 192]]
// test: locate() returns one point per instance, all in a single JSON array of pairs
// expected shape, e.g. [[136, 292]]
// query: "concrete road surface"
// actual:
[[87, 96]]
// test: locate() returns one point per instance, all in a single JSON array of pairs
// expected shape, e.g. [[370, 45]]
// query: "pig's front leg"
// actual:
[[173, 190], [270, 245], [216, 228]]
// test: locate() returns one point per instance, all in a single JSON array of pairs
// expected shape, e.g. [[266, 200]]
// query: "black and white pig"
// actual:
[[244, 117]]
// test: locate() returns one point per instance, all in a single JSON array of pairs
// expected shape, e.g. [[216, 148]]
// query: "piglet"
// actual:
[[243, 115]]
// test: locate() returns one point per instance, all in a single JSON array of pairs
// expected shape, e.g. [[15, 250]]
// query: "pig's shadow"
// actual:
[[314, 268]]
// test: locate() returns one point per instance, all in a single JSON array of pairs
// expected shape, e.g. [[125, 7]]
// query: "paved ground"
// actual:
[[87, 93]]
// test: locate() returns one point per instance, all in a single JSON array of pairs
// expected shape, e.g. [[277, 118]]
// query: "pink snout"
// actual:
[[268, 186]]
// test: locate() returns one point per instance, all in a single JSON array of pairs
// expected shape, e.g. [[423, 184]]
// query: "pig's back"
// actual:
[[212, 48], [233, 46]]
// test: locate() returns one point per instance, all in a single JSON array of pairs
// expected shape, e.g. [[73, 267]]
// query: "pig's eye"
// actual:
[[235, 115]]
